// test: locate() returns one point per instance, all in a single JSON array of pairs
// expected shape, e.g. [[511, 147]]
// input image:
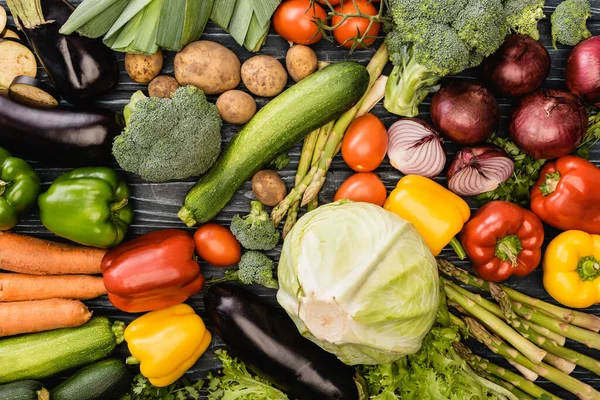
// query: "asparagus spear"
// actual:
[[495, 344], [481, 364], [508, 386], [531, 351], [577, 318]]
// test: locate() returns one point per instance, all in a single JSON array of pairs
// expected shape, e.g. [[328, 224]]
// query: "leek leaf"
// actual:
[[101, 24], [145, 38], [222, 12], [240, 21], [84, 13], [264, 9], [126, 35], [171, 24], [132, 10], [257, 34]]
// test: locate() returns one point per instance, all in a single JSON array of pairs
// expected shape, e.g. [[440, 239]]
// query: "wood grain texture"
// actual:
[[156, 205]]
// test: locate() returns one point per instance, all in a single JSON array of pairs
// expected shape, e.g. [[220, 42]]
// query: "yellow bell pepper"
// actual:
[[437, 213], [167, 342], [572, 269]]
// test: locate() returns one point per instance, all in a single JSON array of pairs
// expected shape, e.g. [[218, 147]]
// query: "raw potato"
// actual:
[[301, 61], [15, 60], [268, 187], [236, 107], [163, 86], [10, 34], [264, 76], [142, 68], [209, 66]]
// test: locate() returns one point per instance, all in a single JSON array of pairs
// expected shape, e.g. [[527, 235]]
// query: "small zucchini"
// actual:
[[104, 380], [24, 390]]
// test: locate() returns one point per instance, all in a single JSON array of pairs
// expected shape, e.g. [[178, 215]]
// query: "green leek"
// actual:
[[182, 22], [93, 18], [240, 21], [222, 12]]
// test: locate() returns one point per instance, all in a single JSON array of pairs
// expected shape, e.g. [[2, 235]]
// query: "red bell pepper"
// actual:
[[503, 239], [566, 195], [154, 271]]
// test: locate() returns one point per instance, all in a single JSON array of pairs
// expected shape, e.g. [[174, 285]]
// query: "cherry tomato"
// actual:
[[355, 25], [294, 21], [216, 245], [362, 186], [365, 143]]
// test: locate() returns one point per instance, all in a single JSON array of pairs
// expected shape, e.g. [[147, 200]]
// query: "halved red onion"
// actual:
[[477, 170], [415, 148]]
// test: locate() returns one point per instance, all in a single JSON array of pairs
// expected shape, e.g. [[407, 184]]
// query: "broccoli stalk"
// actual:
[[569, 22], [254, 267], [255, 231]]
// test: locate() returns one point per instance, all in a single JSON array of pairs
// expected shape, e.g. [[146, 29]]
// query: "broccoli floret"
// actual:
[[434, 38], [166, 139], [522, 16], [568, 22], [254, 267], [255, 231]]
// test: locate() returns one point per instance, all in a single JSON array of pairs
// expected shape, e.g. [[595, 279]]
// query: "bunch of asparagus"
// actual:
[[528, 332], [321, 145]]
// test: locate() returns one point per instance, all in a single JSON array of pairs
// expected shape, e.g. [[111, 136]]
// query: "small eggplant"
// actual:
[[60, 136], [82, 69], [267, 340]]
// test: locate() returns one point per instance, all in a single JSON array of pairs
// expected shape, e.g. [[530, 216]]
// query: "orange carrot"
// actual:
[[41, 315], [28, 255], [18, 287]]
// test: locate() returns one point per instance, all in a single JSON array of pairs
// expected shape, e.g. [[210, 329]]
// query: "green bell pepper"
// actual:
[[19, 188], [89, 206]]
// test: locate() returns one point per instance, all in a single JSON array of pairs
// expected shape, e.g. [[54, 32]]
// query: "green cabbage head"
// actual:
[[359, 281]]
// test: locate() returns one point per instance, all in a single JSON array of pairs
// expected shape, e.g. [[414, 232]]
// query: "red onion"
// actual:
[[415, 148], [518, 67], [477, 170], [583, 71], [548, 124], [465, 112]]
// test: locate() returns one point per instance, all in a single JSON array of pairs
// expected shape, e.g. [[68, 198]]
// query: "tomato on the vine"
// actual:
[[365, 143], [352, 27], [365, 187], [216, 245], [294, 20]]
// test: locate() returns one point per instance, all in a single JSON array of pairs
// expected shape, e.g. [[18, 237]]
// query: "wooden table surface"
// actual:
[[156, 205]]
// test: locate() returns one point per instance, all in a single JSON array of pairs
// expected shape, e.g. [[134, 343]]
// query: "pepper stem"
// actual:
[[118, 329], [549, 185], [114, 207], [131, 360], [458, 248], [3, 186], [508, 249], [588, 268]]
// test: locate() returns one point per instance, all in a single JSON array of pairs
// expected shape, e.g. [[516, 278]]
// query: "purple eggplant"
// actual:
[[267, 341]]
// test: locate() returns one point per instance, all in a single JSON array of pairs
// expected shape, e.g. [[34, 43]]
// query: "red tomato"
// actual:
[[355, 25], [365, 143], [216, 245], [294, 21], [362, 186]]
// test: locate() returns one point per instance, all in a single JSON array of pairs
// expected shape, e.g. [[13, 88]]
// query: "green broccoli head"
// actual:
[[569, 22], [256, 267], [522, 16], [166, 139], [434, 10], [255, 231], [482, 26]]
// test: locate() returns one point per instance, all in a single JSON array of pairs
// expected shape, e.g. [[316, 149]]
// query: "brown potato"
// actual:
[[209, 66], [236, 107], [142, 68], [264, 76], [301, 61], [162, 86], [268, 187]]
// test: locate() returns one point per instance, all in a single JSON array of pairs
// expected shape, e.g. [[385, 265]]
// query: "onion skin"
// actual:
[[548, 124], [465, 112], [583, 71], [518, 67]]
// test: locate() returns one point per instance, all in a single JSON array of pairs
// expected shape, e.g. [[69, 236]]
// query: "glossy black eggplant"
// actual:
[[61, 136], [82, 69], [267, 341]]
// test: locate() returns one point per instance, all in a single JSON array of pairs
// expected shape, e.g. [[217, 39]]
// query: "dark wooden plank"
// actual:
[[156, 205]]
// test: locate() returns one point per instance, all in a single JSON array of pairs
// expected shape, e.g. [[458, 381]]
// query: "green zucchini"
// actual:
[[24, 390], [104, 380], [40, 355], [309, 104]]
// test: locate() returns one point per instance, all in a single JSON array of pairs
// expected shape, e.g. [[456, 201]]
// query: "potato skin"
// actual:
[[301, 61], [142, 68], [264, 76], [209, 66], [162, 86], [236, 107], [268, 187]]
